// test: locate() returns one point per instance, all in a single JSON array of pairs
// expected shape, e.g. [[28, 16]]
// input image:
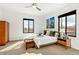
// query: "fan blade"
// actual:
[[38, 8], [28, 6]]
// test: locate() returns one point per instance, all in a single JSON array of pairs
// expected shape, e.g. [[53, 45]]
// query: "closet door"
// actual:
[[0, 32], [4, 32], [2, 24]]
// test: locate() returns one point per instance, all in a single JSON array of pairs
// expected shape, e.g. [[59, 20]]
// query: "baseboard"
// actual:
[[15, 40], [75, 48]]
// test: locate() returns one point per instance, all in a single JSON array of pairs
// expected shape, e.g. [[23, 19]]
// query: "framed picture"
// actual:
[[47, 23], [51, 22]]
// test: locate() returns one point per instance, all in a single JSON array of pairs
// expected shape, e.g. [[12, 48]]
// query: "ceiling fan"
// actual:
[[33, 5]]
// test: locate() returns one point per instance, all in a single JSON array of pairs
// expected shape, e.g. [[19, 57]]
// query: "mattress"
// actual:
[[42, 40]]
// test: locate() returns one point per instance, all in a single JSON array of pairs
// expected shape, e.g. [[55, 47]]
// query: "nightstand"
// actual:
[[65, 42]]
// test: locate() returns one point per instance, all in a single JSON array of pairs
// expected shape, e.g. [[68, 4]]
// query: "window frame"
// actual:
[[28, 25], [65, 15]]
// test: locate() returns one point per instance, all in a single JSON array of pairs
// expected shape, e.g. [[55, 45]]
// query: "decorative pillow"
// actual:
[[47, 32], [52, 33], [40, 35], [61, 35]]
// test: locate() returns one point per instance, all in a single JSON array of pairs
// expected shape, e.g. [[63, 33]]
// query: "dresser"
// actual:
[[65, 42], [4, 32]]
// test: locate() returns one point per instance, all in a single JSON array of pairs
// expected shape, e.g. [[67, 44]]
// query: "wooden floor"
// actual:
[[18, 48]]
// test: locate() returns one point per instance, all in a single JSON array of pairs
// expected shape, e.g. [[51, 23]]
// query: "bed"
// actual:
[[44, 40]]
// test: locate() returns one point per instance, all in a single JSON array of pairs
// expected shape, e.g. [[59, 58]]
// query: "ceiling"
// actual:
[[46, 7]]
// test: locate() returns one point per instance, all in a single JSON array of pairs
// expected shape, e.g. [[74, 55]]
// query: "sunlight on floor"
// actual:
[[13, 46]]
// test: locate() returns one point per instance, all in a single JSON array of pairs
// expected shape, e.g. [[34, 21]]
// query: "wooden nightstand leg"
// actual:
[[66, 47], [70, 43]]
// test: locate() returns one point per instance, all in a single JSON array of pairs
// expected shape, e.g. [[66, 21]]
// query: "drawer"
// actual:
[[61, 42]]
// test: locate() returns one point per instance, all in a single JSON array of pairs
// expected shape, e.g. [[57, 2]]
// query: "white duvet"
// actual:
[[41, 40]]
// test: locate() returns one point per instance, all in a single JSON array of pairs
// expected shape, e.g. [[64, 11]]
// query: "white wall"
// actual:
[[0, 12], [16, 24], [70, 7]]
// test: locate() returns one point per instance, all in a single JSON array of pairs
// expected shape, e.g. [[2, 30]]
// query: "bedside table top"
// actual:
[[62, 39]]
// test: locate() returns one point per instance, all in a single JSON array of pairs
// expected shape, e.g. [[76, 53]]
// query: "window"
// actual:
[[62, 24], [71, 25], [67, 23], [28, 25]]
